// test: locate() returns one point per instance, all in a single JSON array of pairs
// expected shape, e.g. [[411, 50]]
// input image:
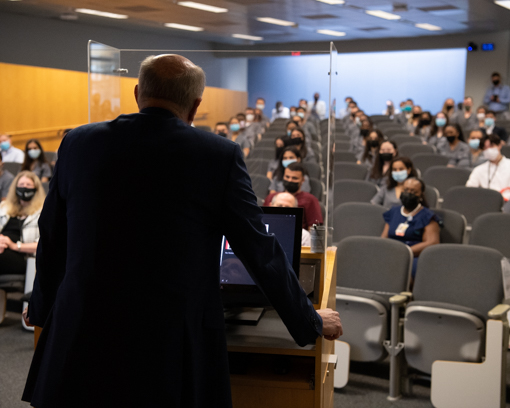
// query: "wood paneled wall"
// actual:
[[41, 102]]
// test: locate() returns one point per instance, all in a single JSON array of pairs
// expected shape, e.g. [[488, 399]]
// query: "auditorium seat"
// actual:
[[14, 168], [345, 191], [403, 139], [256, 166], [357, 219], [431, 196], [313, 169], [454, 226], [349, 171], [444, 178], [260, 185], [262, 153], [317, 189], [410, 149], [505, 151], [342, 146], [344, 156], [492, 230], [423, 161], [50, 156]]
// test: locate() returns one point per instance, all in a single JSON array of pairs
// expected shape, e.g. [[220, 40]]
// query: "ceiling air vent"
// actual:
[[320, 16], [372, 29]]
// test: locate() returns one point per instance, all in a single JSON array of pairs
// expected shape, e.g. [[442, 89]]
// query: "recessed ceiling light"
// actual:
[[184, 27], [248, 37], [101, 13], [383, 14], [429, 27], [204, 7], [331, 32], [270, 20], [503, 3], [332, 1]]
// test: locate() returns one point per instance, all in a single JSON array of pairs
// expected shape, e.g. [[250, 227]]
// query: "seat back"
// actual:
[[410, 149], [454, 226], [257, 166], [342, 146], [346, 157], [14, 168], [317, 189], [50, 156], [350, 171], [472, 202], [400, 140], [432, 196], [360, 191], [260, 185], [261, 153], [313, 169], [357, 219], [444, 178], [505, 151], [492, 230], [424, 161]]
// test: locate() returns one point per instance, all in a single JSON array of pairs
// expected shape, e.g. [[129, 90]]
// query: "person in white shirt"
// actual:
[[289, 201], [280, 111], [9, 152], [316, 107], [495, 172]]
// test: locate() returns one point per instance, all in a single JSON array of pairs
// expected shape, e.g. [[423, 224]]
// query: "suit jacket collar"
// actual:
[[158, 111]]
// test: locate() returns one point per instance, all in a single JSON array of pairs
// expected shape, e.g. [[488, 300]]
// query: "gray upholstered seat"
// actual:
[[400, 140], [492, 230], [262, 153], [342, 146], [12, 167], [472, 201], [345, 191], [410, 149], [454, 226], [357, 219], [317, 189], [344, 157], [431, 196], [364, 286], [349, 171], [257, 166], [313, 169], [424, 161], [444, 178], [260, 185]]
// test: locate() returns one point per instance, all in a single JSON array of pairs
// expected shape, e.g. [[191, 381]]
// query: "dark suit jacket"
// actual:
[[127, 286]]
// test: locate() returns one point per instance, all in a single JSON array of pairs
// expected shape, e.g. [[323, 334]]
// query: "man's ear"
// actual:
[[193, 111]]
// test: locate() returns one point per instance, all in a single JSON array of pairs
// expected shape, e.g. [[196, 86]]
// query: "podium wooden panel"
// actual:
[[309, 380]]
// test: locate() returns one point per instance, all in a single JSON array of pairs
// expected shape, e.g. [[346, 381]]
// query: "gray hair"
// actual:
[[273, 200], [181, 85]]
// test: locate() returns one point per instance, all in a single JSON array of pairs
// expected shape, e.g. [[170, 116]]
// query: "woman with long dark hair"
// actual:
[[36, 162], [456, 149], [381, 167], [289, 155]]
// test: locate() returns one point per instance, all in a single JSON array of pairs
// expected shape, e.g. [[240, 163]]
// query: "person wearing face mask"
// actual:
[[449, 108], [36, 162], [10, 153], [293, 179], [495, 172], [474, 142], [253, 126], [347, 119], [491, 128], [19, 230], [238, 136], [279, 111], [364, 144], [436, 137], [221, 129], [289, 155], [343, 112], [260, 105], [480, 116], [456, 149], [423, 128], [497, 97], [6, 178], [465, 118], [414, 119], [279, 145], [412, 222], [297, 138], [308, 126], [402, 117], [389, 195], [317, 108], [381, 167], [372, 143]]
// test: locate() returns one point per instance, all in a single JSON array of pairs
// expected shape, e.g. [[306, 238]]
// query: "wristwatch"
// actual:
[[19, 246]]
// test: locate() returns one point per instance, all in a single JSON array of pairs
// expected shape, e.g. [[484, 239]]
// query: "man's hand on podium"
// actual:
[[331, 324], [25, 317]]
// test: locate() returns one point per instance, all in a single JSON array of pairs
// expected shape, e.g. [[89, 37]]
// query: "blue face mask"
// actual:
[[440, 122], [407, 108], [399, 176], [489, 122], [301, 114], [5, 145], [234, 127], [474, 143], [34, 153], [289, 132], [285, 163]]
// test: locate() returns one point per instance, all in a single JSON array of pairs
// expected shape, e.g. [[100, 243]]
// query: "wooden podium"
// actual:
[[274, 371]]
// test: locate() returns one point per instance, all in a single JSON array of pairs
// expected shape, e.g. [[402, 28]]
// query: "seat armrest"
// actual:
[[499, 312], [408, 294], [398, 299]]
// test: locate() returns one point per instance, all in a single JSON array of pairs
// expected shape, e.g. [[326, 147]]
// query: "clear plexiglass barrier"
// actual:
[[112, 77]]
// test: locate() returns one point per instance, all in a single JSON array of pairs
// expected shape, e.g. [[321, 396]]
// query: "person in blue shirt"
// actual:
[[413, 223], [497, 97]]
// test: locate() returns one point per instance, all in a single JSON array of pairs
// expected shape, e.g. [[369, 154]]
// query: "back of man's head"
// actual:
[[171, 78], [284, 200]]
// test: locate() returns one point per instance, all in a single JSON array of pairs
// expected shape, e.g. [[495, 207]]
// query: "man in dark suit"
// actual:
[[127, 287]]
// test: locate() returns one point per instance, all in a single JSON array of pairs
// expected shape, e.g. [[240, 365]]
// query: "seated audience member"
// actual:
[[343, 112], [424, 126], [389, 195], [357, 143], [480, 116], [414, 119], [348, 116], [287, 200], [236, 135], [303, 103], [279, 144], [405, 111], [436, 137], [260, 105], [317, 108], [495, 172], [10, 153], [297, 138], [372, 142], [19, 215], [221, 129], [449, 108], [390, 109], [308, 127], [412, 223], [293, 179], [292, 111], [279, 111], [253, 127], [290, 126], [456, 149], [289, 155], [466, 118], [381, 167], [474, 142], [490, 127], [6, 178], [36, 162]]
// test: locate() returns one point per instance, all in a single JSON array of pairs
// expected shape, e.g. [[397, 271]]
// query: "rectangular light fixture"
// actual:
[[429, 27], [332, 1], [101, 13], [383, 14], [248, 37], [184, 27], [331, 32], [503, 3], [270, 20], [204, 7]]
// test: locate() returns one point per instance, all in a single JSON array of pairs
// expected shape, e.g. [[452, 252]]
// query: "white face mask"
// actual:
[[491, 153], [250, 117], [260, 106], [480, 116]]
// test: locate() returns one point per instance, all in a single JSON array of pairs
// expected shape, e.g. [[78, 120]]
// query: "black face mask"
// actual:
[[291, 186], [416, 115], [279, 151], [25, 194], [496, 82], [386, 156], [373, 143], [425, 122], [448, 107], [451, 139], [409, 200], [364, 132], [222, 134], [295, 141]]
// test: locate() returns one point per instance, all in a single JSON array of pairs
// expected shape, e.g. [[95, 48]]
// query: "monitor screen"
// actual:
[[238, 288]]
